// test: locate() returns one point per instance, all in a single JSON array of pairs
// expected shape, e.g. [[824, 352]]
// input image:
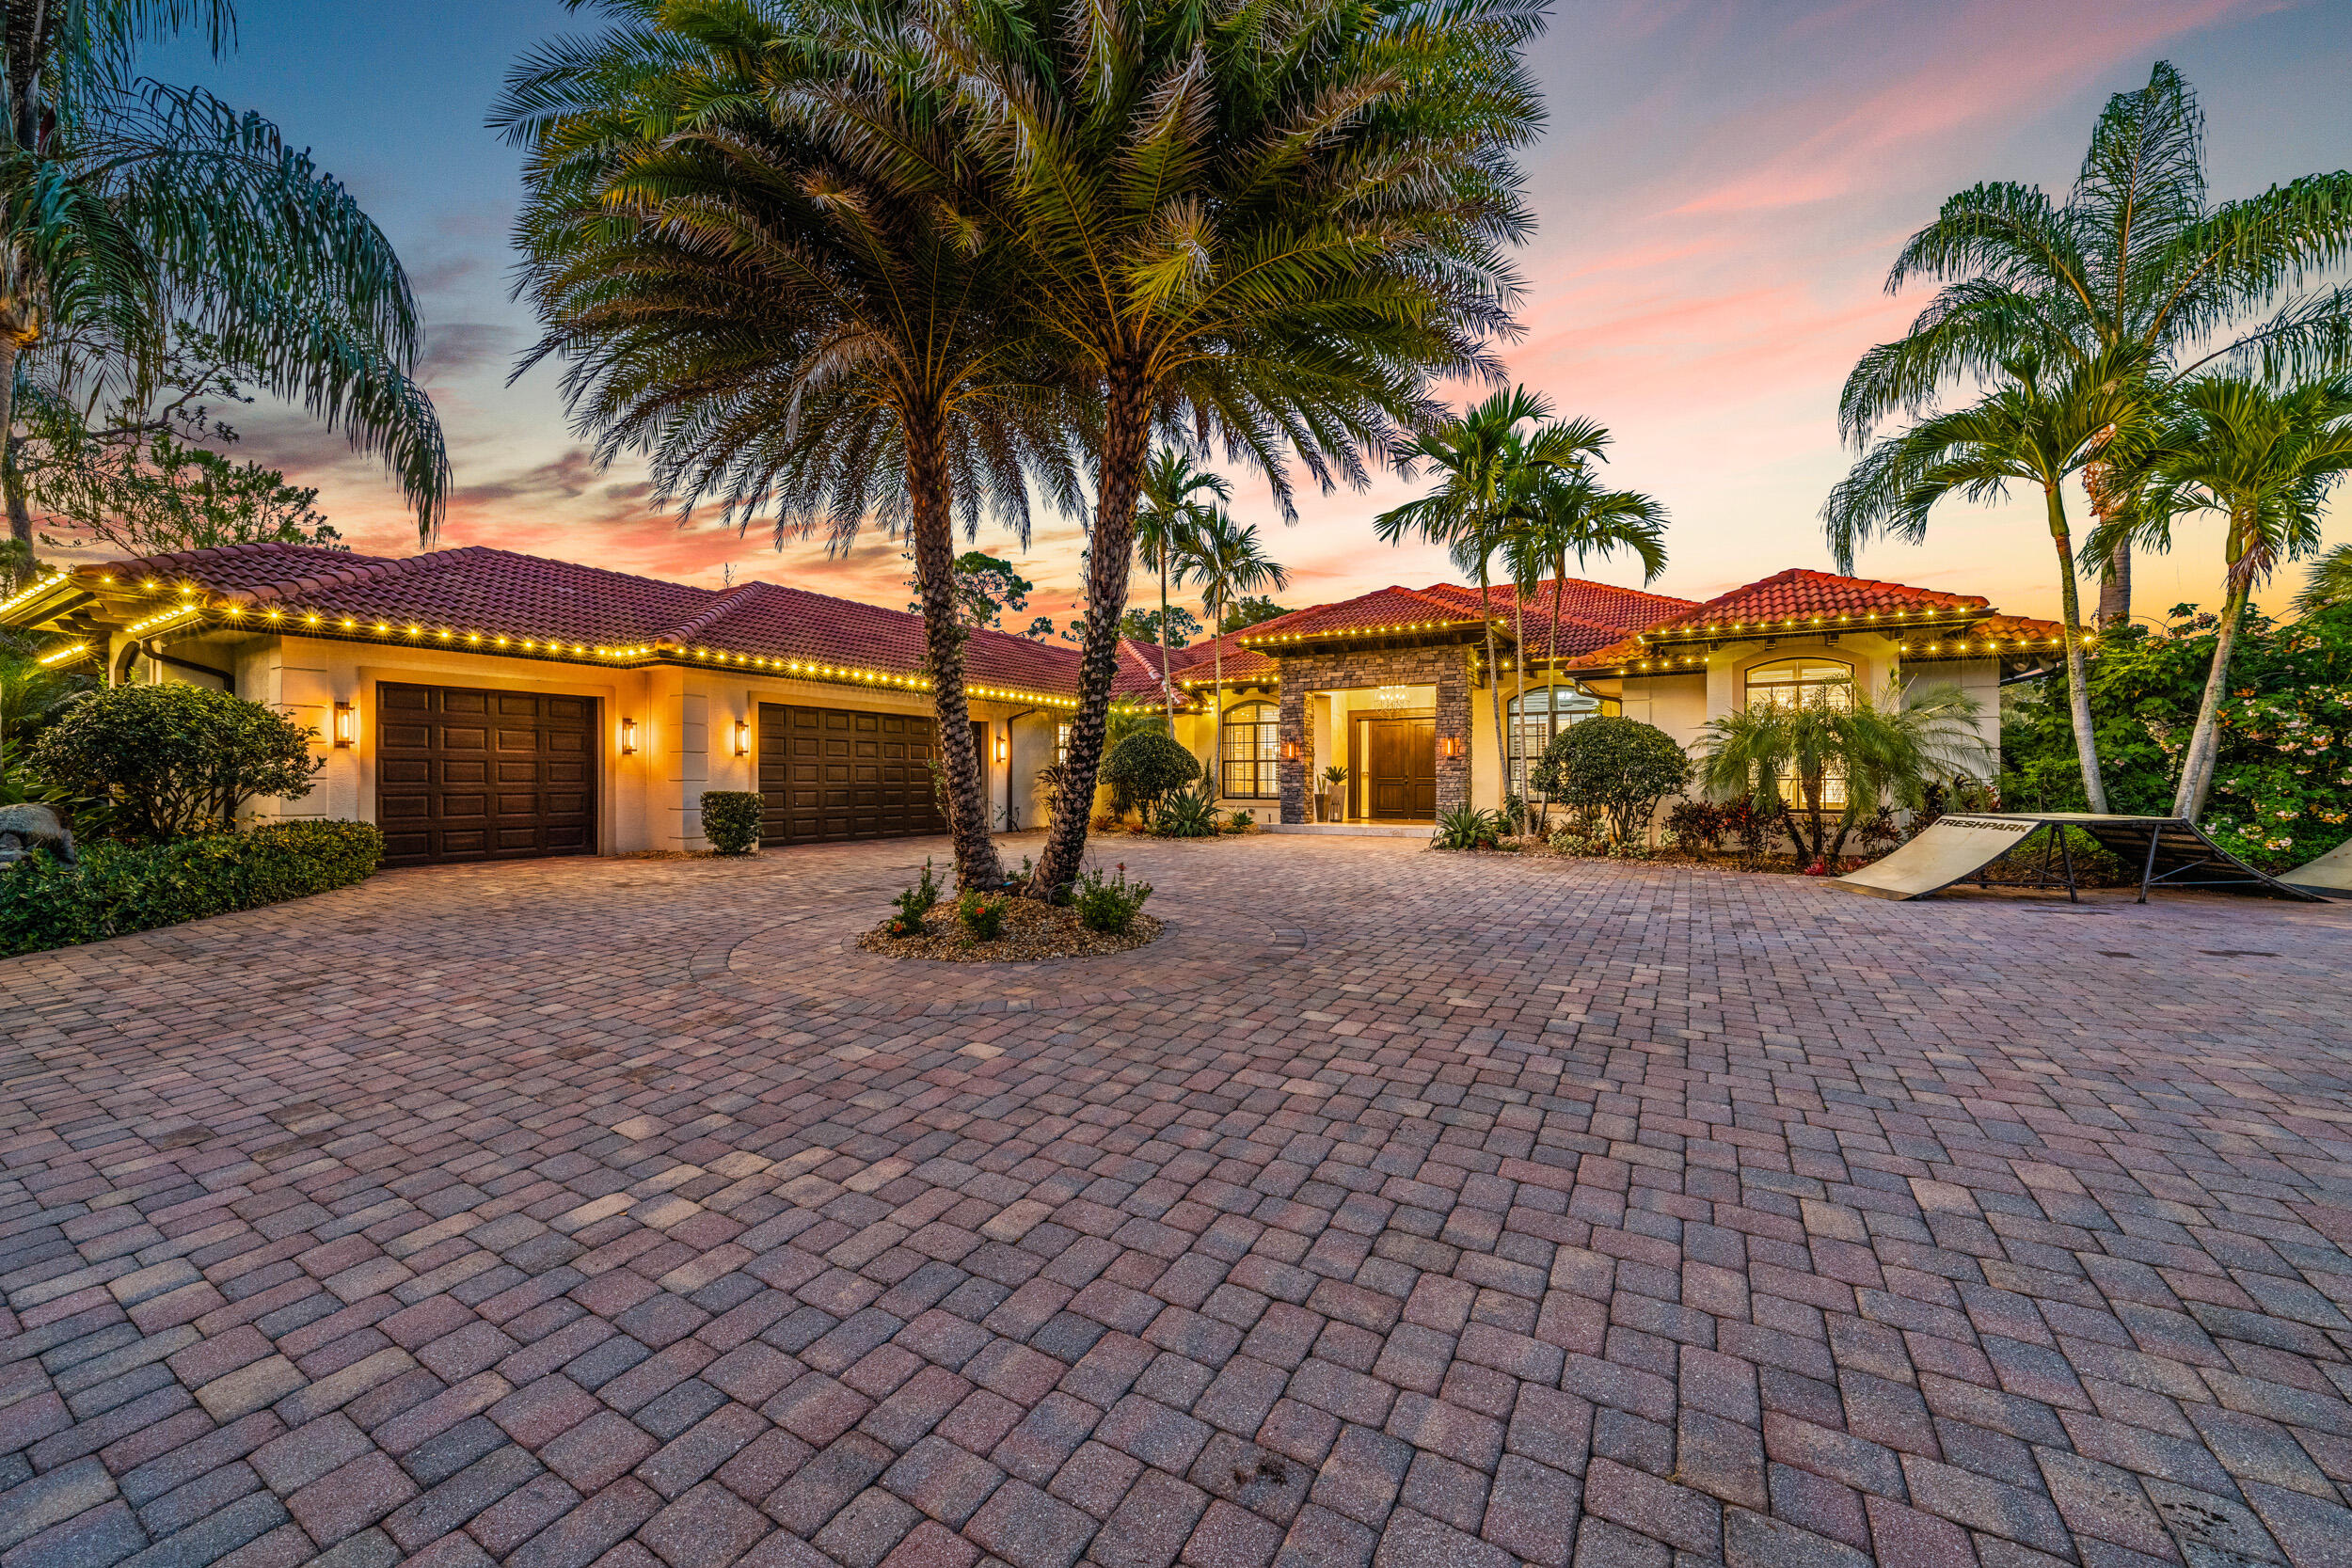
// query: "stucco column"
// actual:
[[1453, 723], [1295, 772]]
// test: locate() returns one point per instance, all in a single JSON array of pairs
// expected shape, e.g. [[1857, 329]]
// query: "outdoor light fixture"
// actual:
[[1290, 750], [1450, 746], [629, 738], [742, 737], [1004, 747], [346, 725]]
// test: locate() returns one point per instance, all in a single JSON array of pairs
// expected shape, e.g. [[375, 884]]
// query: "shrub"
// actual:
[[1567, 841], [983, 914], [1143, 767], [915, 902], [118, 889], [1188, 813], [731, 819], [1108, 903], [175, 760], [1696, 824], [1615, 771], [1243, 821], [1467, 827]]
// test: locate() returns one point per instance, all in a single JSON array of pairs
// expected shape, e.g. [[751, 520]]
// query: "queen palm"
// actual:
[[127, 207], [1227, 563], [2328, 583], [2264, 461], [2043, 426], [2135, 267], [1267, 228], [1166, 517]]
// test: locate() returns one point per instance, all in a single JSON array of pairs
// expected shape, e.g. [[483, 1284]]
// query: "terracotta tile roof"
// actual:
[[1382, 611], [1199, 663], [1590, 614], [498, 593], [2003, 634], [1793, 601]]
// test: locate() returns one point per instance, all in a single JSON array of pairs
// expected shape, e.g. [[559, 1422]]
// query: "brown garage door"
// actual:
[[464, 775], [832, 773]]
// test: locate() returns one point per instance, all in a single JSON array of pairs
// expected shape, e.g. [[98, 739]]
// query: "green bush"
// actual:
[[731, 819], [116, 888], [1188, 813], [1144, 767], [1108, 903], [1615, 771], [981, 915], [915, 902], [1467, 827], [175, 760]]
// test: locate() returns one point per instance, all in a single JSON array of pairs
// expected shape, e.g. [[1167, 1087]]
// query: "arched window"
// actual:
[[1253, 752], [1545, 712], [1796, 682]]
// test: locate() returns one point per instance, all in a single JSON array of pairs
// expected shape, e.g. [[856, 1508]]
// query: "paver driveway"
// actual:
[[1397, 1207]]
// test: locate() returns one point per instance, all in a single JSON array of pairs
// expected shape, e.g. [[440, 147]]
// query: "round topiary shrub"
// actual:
[[1613, 773], [175, 760], [1145, 766], [731, 819]]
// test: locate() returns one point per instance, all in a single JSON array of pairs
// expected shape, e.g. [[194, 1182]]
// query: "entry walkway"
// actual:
[[1397, 1207]]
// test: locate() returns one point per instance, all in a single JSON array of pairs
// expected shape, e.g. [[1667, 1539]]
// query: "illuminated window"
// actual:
[[1547, 711], [1795, 682], [1062, 744], [1253, 752]]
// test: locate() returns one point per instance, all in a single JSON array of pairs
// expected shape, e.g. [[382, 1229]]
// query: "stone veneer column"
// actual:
[[1293, 772], [1454, 722]]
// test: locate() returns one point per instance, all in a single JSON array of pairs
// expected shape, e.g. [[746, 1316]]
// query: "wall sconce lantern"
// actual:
[[1450, 746], [742, 737], [629, 738], [1290, 750], [346, 726], [1004, 746]]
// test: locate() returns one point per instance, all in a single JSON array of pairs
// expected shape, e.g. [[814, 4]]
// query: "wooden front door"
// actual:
[[1400, 770]]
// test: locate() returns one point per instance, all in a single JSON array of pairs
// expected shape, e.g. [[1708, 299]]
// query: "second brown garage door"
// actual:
[[831, 773], [467, 775]]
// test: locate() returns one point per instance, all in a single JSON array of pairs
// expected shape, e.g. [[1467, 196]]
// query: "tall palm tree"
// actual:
[[2043, 426], [1166, 517], [1486, 474], [1227, 563], [2330, 583], [2136, 266], [778, 315], [127, 206], [2263, 461], [1265, 226]]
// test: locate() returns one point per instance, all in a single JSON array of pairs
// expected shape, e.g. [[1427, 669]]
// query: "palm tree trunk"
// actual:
[[1167, 688], [1126, 434], [20, 564], [944, 635], [2204, 740], [1217, 751], [1494, 679], [2115, 588], [1518, 662], [2077, 679]]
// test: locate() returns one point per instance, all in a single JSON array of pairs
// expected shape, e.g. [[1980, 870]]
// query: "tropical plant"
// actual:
[[2133, 271], [1189, 813], [1884, 751], [1696, 824], [2042, 425], [1225, 561], [1467, 826], [1611, 773], [2328, 583], [1143, 767], [1108, 904], [133, 205], [31, 695], [175, 760], [1167, 515], [1266, 228], [731, 819], [2263, 461], [1571, 513], [783, 316]]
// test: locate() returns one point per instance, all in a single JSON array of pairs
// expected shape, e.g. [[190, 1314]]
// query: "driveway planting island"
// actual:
[[1394, 1208]]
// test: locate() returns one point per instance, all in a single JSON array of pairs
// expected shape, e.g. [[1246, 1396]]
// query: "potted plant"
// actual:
[[1332, 805]]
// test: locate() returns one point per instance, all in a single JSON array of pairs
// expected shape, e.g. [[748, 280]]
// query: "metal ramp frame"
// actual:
[[2170, 853]]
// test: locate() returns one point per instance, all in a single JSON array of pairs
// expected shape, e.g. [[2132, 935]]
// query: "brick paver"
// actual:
[[1396, 1209]]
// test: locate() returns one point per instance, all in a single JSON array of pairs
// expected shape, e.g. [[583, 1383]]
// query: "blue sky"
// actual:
[[1720, 190]]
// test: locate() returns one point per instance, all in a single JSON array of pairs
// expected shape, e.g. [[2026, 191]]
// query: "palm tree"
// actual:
[[1264, 227], [1885, 751], [780, 318], [2330, 583], [127, 207], [1487, 474], [2263, 461], [2040, 427], [2134, 268], [1228, 563], [1167, 519]]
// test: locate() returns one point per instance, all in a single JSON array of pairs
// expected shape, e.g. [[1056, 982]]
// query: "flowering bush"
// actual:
[[1108, 903], [981, 915]]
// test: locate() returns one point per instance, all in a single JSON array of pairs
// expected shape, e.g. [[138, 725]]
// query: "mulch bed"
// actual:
[[1033, 932]]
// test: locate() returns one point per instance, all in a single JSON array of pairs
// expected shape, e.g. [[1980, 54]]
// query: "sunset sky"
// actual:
[[1720, 190]]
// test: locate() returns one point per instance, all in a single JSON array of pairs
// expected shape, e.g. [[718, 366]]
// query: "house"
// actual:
[[482, 705]]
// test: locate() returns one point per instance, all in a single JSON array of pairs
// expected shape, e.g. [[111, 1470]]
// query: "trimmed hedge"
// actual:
[[116, 891], [731, 819]]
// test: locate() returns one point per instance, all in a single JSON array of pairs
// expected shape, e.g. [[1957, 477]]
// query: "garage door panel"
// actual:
[[465, 774], [835, 775]]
